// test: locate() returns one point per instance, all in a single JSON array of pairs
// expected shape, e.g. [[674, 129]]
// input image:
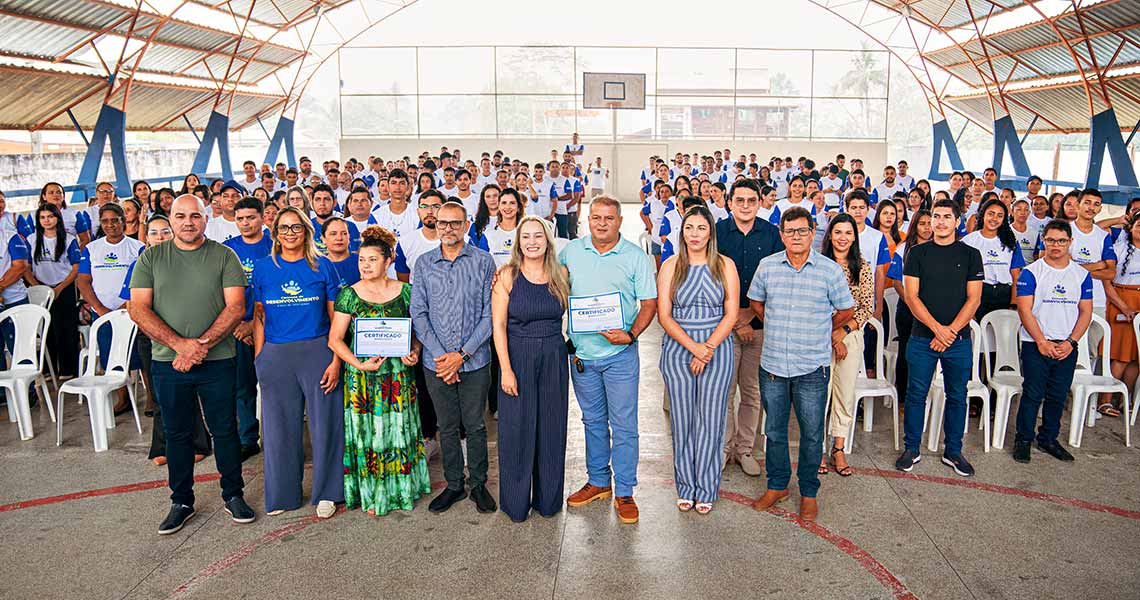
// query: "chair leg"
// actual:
[[96, 404], [868, 415], [895, 417], [45, 396], [933, 438], [986, 422], [19, 395], [849, 444], [1077, 419], [59, 419], [134, 406], [12, 412], [1127, 427], [50, 368], [1001, 418]]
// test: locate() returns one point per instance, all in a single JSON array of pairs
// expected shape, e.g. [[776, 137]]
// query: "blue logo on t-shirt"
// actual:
[[291, 288], [111, 258], [1084, 252], [1059, 291]]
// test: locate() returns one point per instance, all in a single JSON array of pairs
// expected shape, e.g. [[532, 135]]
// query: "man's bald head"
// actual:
[[188, 217], [189, 202]]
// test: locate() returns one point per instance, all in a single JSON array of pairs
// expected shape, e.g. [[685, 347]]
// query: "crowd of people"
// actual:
[[390, 307]]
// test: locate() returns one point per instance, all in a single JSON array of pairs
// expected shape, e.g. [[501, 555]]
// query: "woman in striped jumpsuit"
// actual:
[[697, 305]]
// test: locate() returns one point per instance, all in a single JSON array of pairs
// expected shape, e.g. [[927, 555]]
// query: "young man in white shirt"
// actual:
[[887, 187], [463, 192], [447, 187], [780, 177], [576, 149], [905, 180], [1091, 246], [411, 247], [358, 209], [222, 226], [596, 177], [485, 176], [543, 195], [252, 181], [653, 213], [397, 216], [1055, 303], [831, 186]]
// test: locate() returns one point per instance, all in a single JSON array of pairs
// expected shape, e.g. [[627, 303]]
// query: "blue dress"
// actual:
[[532, 425], [698, 405]]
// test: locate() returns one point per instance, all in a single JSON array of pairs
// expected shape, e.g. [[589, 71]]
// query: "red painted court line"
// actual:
[[1008, 491], [107, 491], [875, 568]]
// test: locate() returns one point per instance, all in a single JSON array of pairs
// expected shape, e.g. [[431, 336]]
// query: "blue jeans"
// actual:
[[562, 226], [178, 395], [245, 394], [808, 394], [921, 361], [1048, 379], [607, 394]]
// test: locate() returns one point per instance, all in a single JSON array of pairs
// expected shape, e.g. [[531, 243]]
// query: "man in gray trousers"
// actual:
[[451, 314]]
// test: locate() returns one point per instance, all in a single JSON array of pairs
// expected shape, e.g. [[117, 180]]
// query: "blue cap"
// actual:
[[237, 187]]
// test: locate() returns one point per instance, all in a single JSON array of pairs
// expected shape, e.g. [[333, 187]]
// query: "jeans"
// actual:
[[607, 395], [178, 394], [955, 374], [572, 224], [1048, 379], [562, 226], [245, 394], [462, 404], [808, 394]]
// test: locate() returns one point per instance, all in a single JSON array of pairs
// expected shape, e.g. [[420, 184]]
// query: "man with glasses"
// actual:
[[746, 240], [803, 299], [1055, 302], [412, 246], [607, 373], [943, 285], [188, 295], [451, 311]]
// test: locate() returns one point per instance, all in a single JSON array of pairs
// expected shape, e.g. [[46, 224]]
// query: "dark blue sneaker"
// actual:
[[175, 519], [959, 463], [907, 460], [239, 511]]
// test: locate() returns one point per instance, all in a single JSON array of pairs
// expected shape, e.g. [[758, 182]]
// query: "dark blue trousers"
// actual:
[[1046, 379]]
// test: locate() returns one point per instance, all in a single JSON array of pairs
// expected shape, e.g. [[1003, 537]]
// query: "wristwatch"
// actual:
[[1071, 342], [632, 338], [465, 356], [846, 328]]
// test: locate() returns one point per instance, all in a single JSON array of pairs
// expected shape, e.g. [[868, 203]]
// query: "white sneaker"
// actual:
[[326, 509], [274, 513], [431, 448]]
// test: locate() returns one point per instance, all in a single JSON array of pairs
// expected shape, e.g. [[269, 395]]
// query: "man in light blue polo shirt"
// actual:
[[805, 302], [607, 365]]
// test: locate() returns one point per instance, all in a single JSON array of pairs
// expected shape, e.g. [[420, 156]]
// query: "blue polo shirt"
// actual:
[[625, 269], [295, 297], [348, 269], [248, 254]]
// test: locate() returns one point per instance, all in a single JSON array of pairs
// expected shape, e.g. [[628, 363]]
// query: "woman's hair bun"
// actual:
[[375, 235]]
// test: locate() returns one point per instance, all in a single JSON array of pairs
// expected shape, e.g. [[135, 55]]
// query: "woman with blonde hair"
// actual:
[[698, 299], [294, 289], [385, 466], [298, 198], [527, 304]]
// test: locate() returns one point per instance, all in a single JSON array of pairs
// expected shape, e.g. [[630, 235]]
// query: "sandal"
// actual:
[[823, 470], [846, 470], [1108, 410], [704, 508], [684, 505]]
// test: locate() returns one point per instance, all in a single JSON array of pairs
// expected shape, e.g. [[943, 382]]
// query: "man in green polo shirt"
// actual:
[[187, 295], [606, 383]]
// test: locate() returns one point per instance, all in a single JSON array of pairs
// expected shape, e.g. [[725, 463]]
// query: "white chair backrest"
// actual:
[[1001, 330], [1084, 352], [875, 324], [31, 323], [891, 300], [41, 295], [123, 331]]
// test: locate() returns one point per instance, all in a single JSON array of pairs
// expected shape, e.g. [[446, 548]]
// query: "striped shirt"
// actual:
[[798, 305], [451, 305]]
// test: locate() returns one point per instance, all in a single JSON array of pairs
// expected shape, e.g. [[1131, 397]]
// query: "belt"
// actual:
[[1132, 288]]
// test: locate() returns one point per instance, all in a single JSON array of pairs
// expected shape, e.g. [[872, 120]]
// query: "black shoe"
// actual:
[[240, 511], [1056, 451], [907, 460], [484, 503], [445, 499], [249, 450], [1021, 451], [177, 517], [960, 464]]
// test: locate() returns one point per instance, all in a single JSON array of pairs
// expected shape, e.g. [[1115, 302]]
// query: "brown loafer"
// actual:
[[588, 494], [809, 509], [626, 509], [769, 499]]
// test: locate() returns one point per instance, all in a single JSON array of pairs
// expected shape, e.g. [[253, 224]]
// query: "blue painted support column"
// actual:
[[1104, 130], [1005, 136], [282, 136], [943, 137], [217, 129], [111, 125]]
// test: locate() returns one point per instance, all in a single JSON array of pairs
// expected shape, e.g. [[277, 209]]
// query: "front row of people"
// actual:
[[187, 296]]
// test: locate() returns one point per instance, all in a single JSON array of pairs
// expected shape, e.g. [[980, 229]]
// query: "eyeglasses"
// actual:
[[294, 228], [157, 232], [746, 201], [431, 206], [797, 232], [449, 224], [1055, 241], [110, 221]]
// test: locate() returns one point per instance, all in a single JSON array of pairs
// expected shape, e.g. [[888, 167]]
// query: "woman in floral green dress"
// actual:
[[385, 467]]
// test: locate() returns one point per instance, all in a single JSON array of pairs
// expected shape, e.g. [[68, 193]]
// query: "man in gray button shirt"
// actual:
[[451, 314]]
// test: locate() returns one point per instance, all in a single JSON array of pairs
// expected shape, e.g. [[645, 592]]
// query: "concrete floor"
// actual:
[[77, 524]]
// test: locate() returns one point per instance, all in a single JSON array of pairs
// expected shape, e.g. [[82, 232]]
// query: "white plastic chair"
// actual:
[[44, 295], [1086, 385], [936, 401], [869, 389], [97, 388], [891, 349], [1004, 374], [30, 323]]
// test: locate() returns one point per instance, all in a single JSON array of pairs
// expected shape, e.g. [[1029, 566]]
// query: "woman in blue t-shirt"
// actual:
[[294, 289]]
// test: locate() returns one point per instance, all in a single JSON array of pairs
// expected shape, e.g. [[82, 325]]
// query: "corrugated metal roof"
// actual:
[[950, 13]]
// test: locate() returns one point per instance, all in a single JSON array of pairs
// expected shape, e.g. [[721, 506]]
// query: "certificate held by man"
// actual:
[[593, 314], [385, 337]]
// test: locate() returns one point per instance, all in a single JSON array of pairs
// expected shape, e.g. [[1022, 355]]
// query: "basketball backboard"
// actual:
[[613, 90]]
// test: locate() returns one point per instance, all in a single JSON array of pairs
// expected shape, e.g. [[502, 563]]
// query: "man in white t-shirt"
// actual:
[[397, 216], [411, 247], [465, 195], [1092, 248], [447, 187], [831, 186], [596, 177], [780, 177], [1055, 303], [358, 209], [887, 187], [485, 176], [543, 196], [223, 226], [576, 149], [905, 180], [252, 181]]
